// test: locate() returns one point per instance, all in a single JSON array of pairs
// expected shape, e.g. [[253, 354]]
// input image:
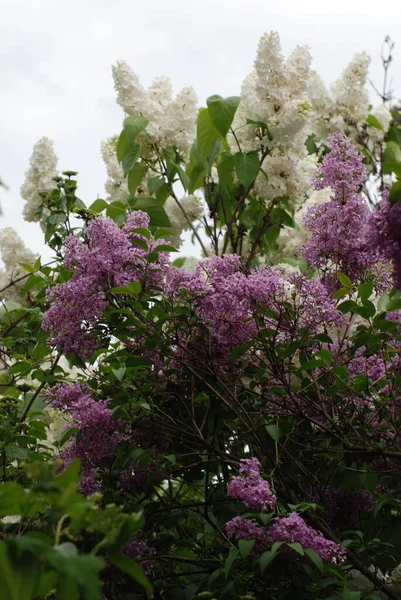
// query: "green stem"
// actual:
[[40, 388], [59, 529]]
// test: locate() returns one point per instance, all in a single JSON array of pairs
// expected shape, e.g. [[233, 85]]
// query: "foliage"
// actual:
[[231, 430]]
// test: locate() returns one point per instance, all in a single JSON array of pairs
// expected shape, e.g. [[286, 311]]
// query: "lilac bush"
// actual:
[[234, 419]]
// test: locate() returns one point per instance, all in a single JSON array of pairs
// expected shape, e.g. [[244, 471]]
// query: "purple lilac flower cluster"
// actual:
[[385, 235], [256, 494], [315, 304], [107, 257], [293, 528], [139, 551], [98, 435], [240, 528], [249, 487], [339, 227], [226, 300]]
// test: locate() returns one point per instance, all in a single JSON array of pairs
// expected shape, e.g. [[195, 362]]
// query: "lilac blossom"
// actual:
[[293, 528], [385, 235], [342, 168], [107, 257], [315, 306], [98, 435], [339, 227], [240, 528], [139, 551], [249, 487], [228, 302]]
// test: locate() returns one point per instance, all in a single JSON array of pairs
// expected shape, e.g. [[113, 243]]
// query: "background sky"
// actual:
[[56, 57]]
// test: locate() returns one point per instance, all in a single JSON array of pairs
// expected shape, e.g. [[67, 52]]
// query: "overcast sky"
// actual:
[[56, 57]]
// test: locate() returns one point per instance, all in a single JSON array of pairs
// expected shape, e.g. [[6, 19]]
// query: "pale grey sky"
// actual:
[[56, 57]]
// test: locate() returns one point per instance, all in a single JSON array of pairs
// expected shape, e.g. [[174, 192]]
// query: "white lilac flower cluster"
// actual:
[[13, 253], [192, 206], [39, 178], [116, 185], [172, 120], [345, 106], [275, 94]]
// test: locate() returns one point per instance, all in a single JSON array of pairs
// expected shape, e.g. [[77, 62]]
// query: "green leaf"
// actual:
[[163, 192], [267, 557], [183, 176], [125, 530], [347, 306], [272, 234], [135, 176], [116, 212], [246, 547], [154, 208], [350, 595], [340, 293], [311, 145], [47, 583], [222, 111], [67, 435], [392, 167], [138, 361], [395, 193], [123, 146], [196, 177], [85, 571], [325, 355], [144, 203], [158, 216], [374, 122], [393, 304], [129, 159], [233, 555], [165, 248], [274, 432], [206, 133], [311, 364], [140, 244], [29, 268], [132, 289], [238, 352], [297, 547], [315, 558], [67, 589], [344, 280], [392, 153], [154, 184], [225, 169], [365, 290], [127, 565], [98, 205], [247, 167], [368, 310], [142, 231], [162, 233], [66, 549], [119, 373], [134, 126], [179, 262]]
